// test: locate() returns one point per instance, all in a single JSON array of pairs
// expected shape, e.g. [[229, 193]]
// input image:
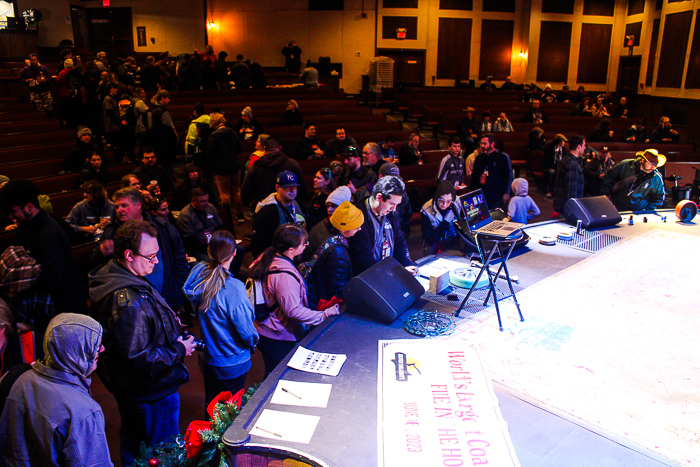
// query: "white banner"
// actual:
[[436, 406]]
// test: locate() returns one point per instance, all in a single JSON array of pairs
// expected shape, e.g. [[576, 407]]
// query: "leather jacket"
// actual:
[[142, 360]]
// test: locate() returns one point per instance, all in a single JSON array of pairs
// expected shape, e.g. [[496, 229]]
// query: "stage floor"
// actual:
[[606, 349]]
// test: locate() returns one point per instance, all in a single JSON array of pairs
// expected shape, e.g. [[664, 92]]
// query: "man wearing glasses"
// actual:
[[170, 271], [143, 362]]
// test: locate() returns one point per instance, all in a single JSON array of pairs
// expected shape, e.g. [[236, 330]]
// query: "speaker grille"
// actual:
[[590, 241]]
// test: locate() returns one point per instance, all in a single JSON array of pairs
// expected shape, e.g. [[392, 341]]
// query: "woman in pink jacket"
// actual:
[[285, 295]]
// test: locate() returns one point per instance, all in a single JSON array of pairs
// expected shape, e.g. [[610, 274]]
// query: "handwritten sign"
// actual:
[[437, 407]]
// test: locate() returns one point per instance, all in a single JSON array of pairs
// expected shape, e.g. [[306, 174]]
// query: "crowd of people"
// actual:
[[156, 259]]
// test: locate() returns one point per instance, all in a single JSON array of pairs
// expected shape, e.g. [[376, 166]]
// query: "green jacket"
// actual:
[[192, 141]]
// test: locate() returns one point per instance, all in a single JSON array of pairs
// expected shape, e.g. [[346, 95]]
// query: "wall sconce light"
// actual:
[[211, 24], [522, 54]]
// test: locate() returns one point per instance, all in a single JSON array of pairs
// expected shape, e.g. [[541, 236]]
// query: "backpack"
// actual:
[[146, 118], [126, 112], [256, 295]]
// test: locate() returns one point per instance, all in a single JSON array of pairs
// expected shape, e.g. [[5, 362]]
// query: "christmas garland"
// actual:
[[201, 446]]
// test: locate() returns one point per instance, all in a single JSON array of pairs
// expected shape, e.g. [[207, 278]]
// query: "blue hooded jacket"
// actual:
[[227, 325]]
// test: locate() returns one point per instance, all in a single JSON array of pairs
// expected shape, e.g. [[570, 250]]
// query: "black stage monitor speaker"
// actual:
[[382, 292], [594, 212]]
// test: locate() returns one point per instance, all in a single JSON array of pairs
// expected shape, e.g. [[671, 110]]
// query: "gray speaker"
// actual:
[[382, 292], [594, 212]]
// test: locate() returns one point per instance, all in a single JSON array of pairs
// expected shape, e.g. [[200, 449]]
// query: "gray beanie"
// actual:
[[339, 195], [247, 112], [84, 131]]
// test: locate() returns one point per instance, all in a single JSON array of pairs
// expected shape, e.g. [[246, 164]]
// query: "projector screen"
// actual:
[[7, 10]]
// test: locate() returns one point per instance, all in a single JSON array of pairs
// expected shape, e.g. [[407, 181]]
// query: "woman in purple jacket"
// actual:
[[285, 296]]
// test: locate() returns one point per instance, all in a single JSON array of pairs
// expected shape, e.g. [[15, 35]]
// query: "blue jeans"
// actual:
[[148, 422]]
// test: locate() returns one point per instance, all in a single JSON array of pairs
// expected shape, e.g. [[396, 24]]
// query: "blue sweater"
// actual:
[[227, 325]]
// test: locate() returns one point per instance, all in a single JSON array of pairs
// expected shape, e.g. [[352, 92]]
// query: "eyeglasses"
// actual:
[[151, 259]]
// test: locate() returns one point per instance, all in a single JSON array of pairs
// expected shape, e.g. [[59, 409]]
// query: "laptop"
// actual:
[[478, 218]]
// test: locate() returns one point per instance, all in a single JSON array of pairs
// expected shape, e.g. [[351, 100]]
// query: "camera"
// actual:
[[198, 344]]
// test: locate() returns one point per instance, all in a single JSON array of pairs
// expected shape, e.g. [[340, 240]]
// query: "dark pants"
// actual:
[[150, 422], [551, 177], [273, 352], [214, 386], [114, 139]]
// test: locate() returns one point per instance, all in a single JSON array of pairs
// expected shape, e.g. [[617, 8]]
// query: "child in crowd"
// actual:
[[521, 207]]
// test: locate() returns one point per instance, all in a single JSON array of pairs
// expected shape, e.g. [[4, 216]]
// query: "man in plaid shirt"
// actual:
[[569, 177]]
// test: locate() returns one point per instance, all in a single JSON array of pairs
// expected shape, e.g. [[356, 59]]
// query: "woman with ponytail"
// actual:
[[285, 295], [225, 317]]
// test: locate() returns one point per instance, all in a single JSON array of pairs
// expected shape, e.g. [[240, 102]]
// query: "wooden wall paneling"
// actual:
[[635, 7], [454, 48], [558, 6], [399, 3], [598, 7], [553, 56], [594, 52], [652, 51], [409, 65], [391, 23], [692, 79], [18, 44], [496, 48], [465, 5], [504, 6], [633, 29], [673, 49], [628, 75]]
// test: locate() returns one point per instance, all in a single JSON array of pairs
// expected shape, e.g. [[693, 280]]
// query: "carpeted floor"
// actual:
[[601, 343]]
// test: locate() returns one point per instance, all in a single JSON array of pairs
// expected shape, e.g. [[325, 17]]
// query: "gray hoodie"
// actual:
[[51, 403]]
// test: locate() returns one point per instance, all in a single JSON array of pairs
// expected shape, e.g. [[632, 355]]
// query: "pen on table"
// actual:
[[268, 431], [291, 393]]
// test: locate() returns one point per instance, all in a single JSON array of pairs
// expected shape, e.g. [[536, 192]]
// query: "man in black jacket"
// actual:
[[492, 173], [150, 171], [309, 146], [47, 243], [355, 175], [222, 153], [262, 175], [143, 362], [380, 236]]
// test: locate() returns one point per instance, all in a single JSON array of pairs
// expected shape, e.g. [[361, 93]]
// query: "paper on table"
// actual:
[[317, 362], [440, 266], [302, 394], [285, 426]]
